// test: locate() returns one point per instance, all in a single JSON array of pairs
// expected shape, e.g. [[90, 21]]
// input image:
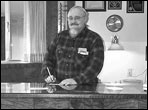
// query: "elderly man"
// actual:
[[76, 55]]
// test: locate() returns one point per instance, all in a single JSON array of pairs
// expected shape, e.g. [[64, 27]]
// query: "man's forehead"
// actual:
[[76, 12]]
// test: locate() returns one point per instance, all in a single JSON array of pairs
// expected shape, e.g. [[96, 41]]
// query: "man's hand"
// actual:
[[50, 79], [51, 89], [69, 81]]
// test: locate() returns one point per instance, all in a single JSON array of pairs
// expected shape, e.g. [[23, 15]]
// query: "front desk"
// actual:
[[92, 96]]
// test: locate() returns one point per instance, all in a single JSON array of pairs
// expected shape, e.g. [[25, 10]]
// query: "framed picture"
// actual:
[[94, 5], [135, 6], [114, 5]]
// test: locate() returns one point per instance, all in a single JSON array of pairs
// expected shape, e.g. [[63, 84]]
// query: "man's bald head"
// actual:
[[79, 9]]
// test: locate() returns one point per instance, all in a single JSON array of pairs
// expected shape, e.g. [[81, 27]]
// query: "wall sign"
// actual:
[[135, 6], [94, 5], [114, 5]]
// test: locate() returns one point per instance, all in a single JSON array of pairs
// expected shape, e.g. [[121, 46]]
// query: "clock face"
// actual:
[[114, 23]]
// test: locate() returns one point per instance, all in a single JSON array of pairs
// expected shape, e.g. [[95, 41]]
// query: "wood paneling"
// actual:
[[142, 104], [66, 103], [2, 38], [51, 21], [24, 103], [51, 103], [121, 104], [70, 4], [29, 72]]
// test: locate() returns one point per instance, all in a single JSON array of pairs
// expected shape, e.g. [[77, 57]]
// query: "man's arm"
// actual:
[[49, 60]]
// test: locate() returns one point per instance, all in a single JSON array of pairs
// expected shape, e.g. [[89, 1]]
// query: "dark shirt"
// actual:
[[80, 58]]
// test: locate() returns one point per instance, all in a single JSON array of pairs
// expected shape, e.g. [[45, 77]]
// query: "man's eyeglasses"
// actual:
[[77, 18]]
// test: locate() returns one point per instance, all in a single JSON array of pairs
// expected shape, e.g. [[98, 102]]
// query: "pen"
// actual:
[[48, 71], [51, 76]]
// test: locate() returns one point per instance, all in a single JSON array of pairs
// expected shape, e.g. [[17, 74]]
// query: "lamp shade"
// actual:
[[115, 44]]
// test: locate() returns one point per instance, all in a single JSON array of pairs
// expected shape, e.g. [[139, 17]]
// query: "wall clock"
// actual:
[[114, 23]]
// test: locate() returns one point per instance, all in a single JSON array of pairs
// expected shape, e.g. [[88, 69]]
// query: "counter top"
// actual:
[[100, 90]]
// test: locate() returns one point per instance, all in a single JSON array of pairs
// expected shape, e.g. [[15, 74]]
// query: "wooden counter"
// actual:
[[93, 96]]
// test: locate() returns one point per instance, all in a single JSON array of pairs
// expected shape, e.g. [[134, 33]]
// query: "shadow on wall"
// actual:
[[117, 63]]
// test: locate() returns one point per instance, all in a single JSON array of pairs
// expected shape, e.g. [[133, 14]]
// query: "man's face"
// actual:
[[76, 20]]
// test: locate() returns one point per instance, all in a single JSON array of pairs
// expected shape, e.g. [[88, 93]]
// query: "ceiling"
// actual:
[[16, 8]]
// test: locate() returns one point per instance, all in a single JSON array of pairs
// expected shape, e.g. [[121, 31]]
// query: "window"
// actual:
[[25, 30]]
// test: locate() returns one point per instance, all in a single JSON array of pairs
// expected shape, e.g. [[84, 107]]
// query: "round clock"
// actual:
[[114, 23]]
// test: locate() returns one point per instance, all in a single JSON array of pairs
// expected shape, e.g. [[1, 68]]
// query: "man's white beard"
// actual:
[[73, 32]]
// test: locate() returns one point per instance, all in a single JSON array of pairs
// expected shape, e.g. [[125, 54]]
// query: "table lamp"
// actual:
[[115, 45]]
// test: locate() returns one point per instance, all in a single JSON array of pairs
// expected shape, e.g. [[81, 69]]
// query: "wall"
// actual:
[[133, 36]]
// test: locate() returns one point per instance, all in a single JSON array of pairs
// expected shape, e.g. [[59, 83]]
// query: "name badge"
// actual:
[[83, 51]]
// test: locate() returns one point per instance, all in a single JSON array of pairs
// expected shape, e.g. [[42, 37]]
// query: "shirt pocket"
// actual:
[[82, 59]]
